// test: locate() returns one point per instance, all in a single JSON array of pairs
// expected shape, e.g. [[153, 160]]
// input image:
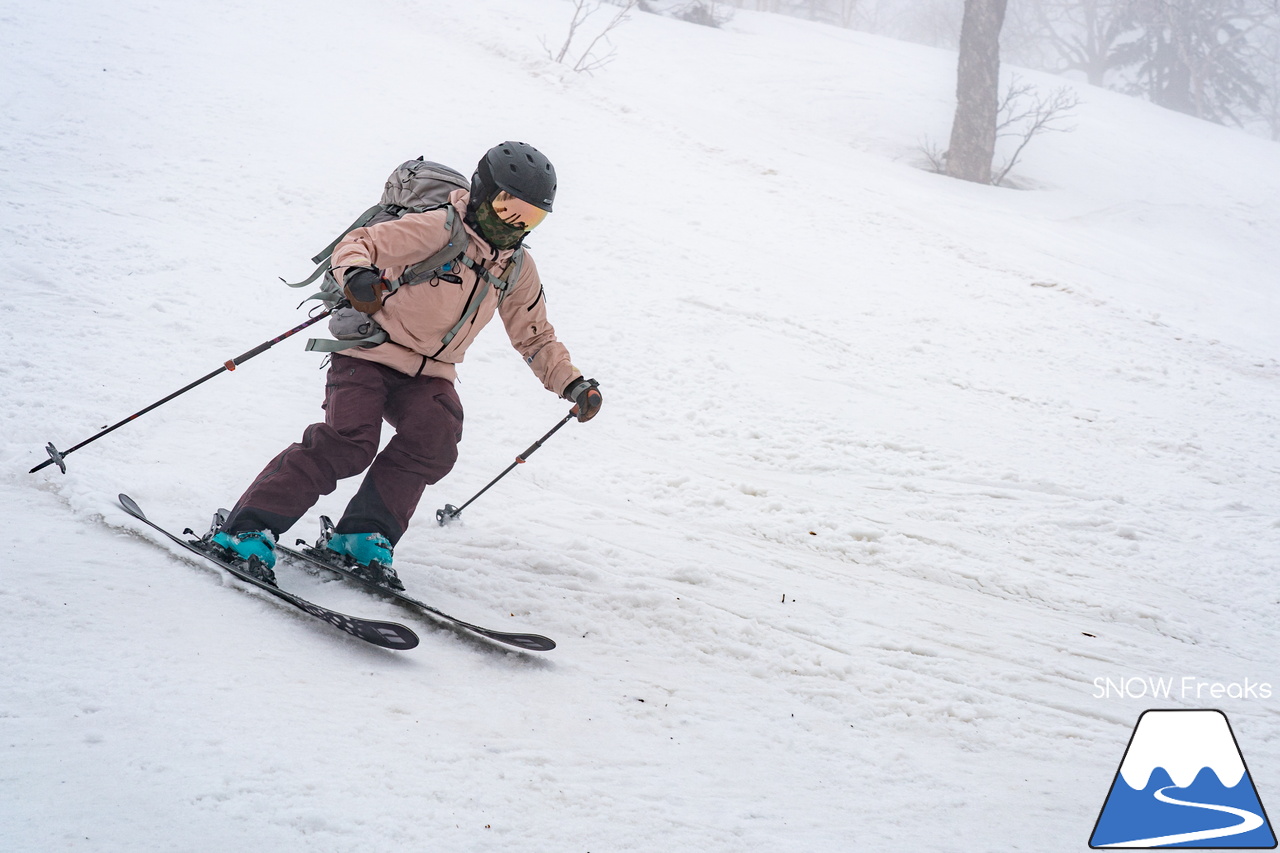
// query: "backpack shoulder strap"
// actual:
[[442, 259], [512, 273], [501, 284]]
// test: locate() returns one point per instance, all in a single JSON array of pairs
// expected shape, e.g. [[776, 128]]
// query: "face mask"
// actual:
[[504, 221]]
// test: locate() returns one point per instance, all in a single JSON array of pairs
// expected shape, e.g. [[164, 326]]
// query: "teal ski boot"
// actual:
[[255, 547], [371, 554]]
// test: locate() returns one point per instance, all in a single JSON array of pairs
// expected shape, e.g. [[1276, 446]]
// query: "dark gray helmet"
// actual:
[[519, 169]]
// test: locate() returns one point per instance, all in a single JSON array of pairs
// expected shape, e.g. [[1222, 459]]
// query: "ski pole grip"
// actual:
[[241, 359], [266, 345], [529, 452]]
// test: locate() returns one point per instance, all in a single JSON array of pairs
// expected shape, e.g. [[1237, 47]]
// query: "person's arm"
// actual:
[[524, 313], [360, 257]]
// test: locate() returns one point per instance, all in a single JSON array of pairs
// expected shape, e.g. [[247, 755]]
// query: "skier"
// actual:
[[408, 380]]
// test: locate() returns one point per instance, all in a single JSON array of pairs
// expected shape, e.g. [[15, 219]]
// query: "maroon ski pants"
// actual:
[[359, 395]]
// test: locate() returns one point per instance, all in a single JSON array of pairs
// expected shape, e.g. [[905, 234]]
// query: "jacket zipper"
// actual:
[[465, 305]]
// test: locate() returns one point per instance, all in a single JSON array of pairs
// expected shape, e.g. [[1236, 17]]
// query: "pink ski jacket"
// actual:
[[418, 317]]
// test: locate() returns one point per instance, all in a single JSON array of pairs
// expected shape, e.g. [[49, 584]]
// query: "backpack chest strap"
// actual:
[[448, 254], [501, 284]]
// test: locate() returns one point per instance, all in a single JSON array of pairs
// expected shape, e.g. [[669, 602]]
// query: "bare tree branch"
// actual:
[[1044, 114], [580, 15], [582, 10], [589, 65]]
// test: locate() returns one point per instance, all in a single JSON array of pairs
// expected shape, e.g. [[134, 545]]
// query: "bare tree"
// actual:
[[1195, 56], [1214, 59], [1093, 37], [1266, 61], [973, 132], [582, 10], [847, 11], [931, 22], [1025, 113]]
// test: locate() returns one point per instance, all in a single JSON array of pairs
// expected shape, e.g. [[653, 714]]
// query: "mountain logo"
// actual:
[[1183, 783]]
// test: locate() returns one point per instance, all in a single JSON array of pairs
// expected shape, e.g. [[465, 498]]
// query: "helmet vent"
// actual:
[[528, 174]]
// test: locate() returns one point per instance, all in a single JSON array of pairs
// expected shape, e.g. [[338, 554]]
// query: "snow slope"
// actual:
[[891, 467]]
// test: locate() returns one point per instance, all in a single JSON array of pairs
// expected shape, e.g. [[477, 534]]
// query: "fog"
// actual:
[[1218, 60]]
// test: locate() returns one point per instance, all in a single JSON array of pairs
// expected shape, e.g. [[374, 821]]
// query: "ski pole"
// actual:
[[450, 512], [58, 457]]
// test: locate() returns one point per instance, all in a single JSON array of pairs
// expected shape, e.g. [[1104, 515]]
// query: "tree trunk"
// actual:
[[973, 133]]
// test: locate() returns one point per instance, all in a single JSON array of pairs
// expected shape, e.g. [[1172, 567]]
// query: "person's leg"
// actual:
[[427, 416], [342, 446]]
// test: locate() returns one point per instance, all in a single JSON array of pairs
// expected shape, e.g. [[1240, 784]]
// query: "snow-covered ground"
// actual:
[[891, 468]]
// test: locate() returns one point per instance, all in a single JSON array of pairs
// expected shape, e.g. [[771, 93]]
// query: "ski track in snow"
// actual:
[[889, 471]]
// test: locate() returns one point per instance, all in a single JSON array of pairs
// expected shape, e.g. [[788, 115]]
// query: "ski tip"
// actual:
[[389, 635], [528, 642], [130, 505]]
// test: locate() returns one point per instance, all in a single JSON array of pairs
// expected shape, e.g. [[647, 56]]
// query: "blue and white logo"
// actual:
[[1183, 783]]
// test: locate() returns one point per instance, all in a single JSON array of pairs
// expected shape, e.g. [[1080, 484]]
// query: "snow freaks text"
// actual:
[[1186, 687]]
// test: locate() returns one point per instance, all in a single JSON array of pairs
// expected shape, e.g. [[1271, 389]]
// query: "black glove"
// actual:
[[586, 394], [363, 288]]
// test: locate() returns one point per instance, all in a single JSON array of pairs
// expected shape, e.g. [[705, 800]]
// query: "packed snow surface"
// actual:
[[894, 477]]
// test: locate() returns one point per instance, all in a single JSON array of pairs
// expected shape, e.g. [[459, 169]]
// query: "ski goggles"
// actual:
[[516, 212]]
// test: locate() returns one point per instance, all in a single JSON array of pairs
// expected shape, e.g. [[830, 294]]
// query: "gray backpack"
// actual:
[[415, 186]]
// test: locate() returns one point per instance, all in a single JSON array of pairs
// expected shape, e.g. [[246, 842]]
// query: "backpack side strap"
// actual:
[[326, 345], [322, 258]]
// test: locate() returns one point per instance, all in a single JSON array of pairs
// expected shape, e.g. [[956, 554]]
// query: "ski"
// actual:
[[388, 635], [308, 554]]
